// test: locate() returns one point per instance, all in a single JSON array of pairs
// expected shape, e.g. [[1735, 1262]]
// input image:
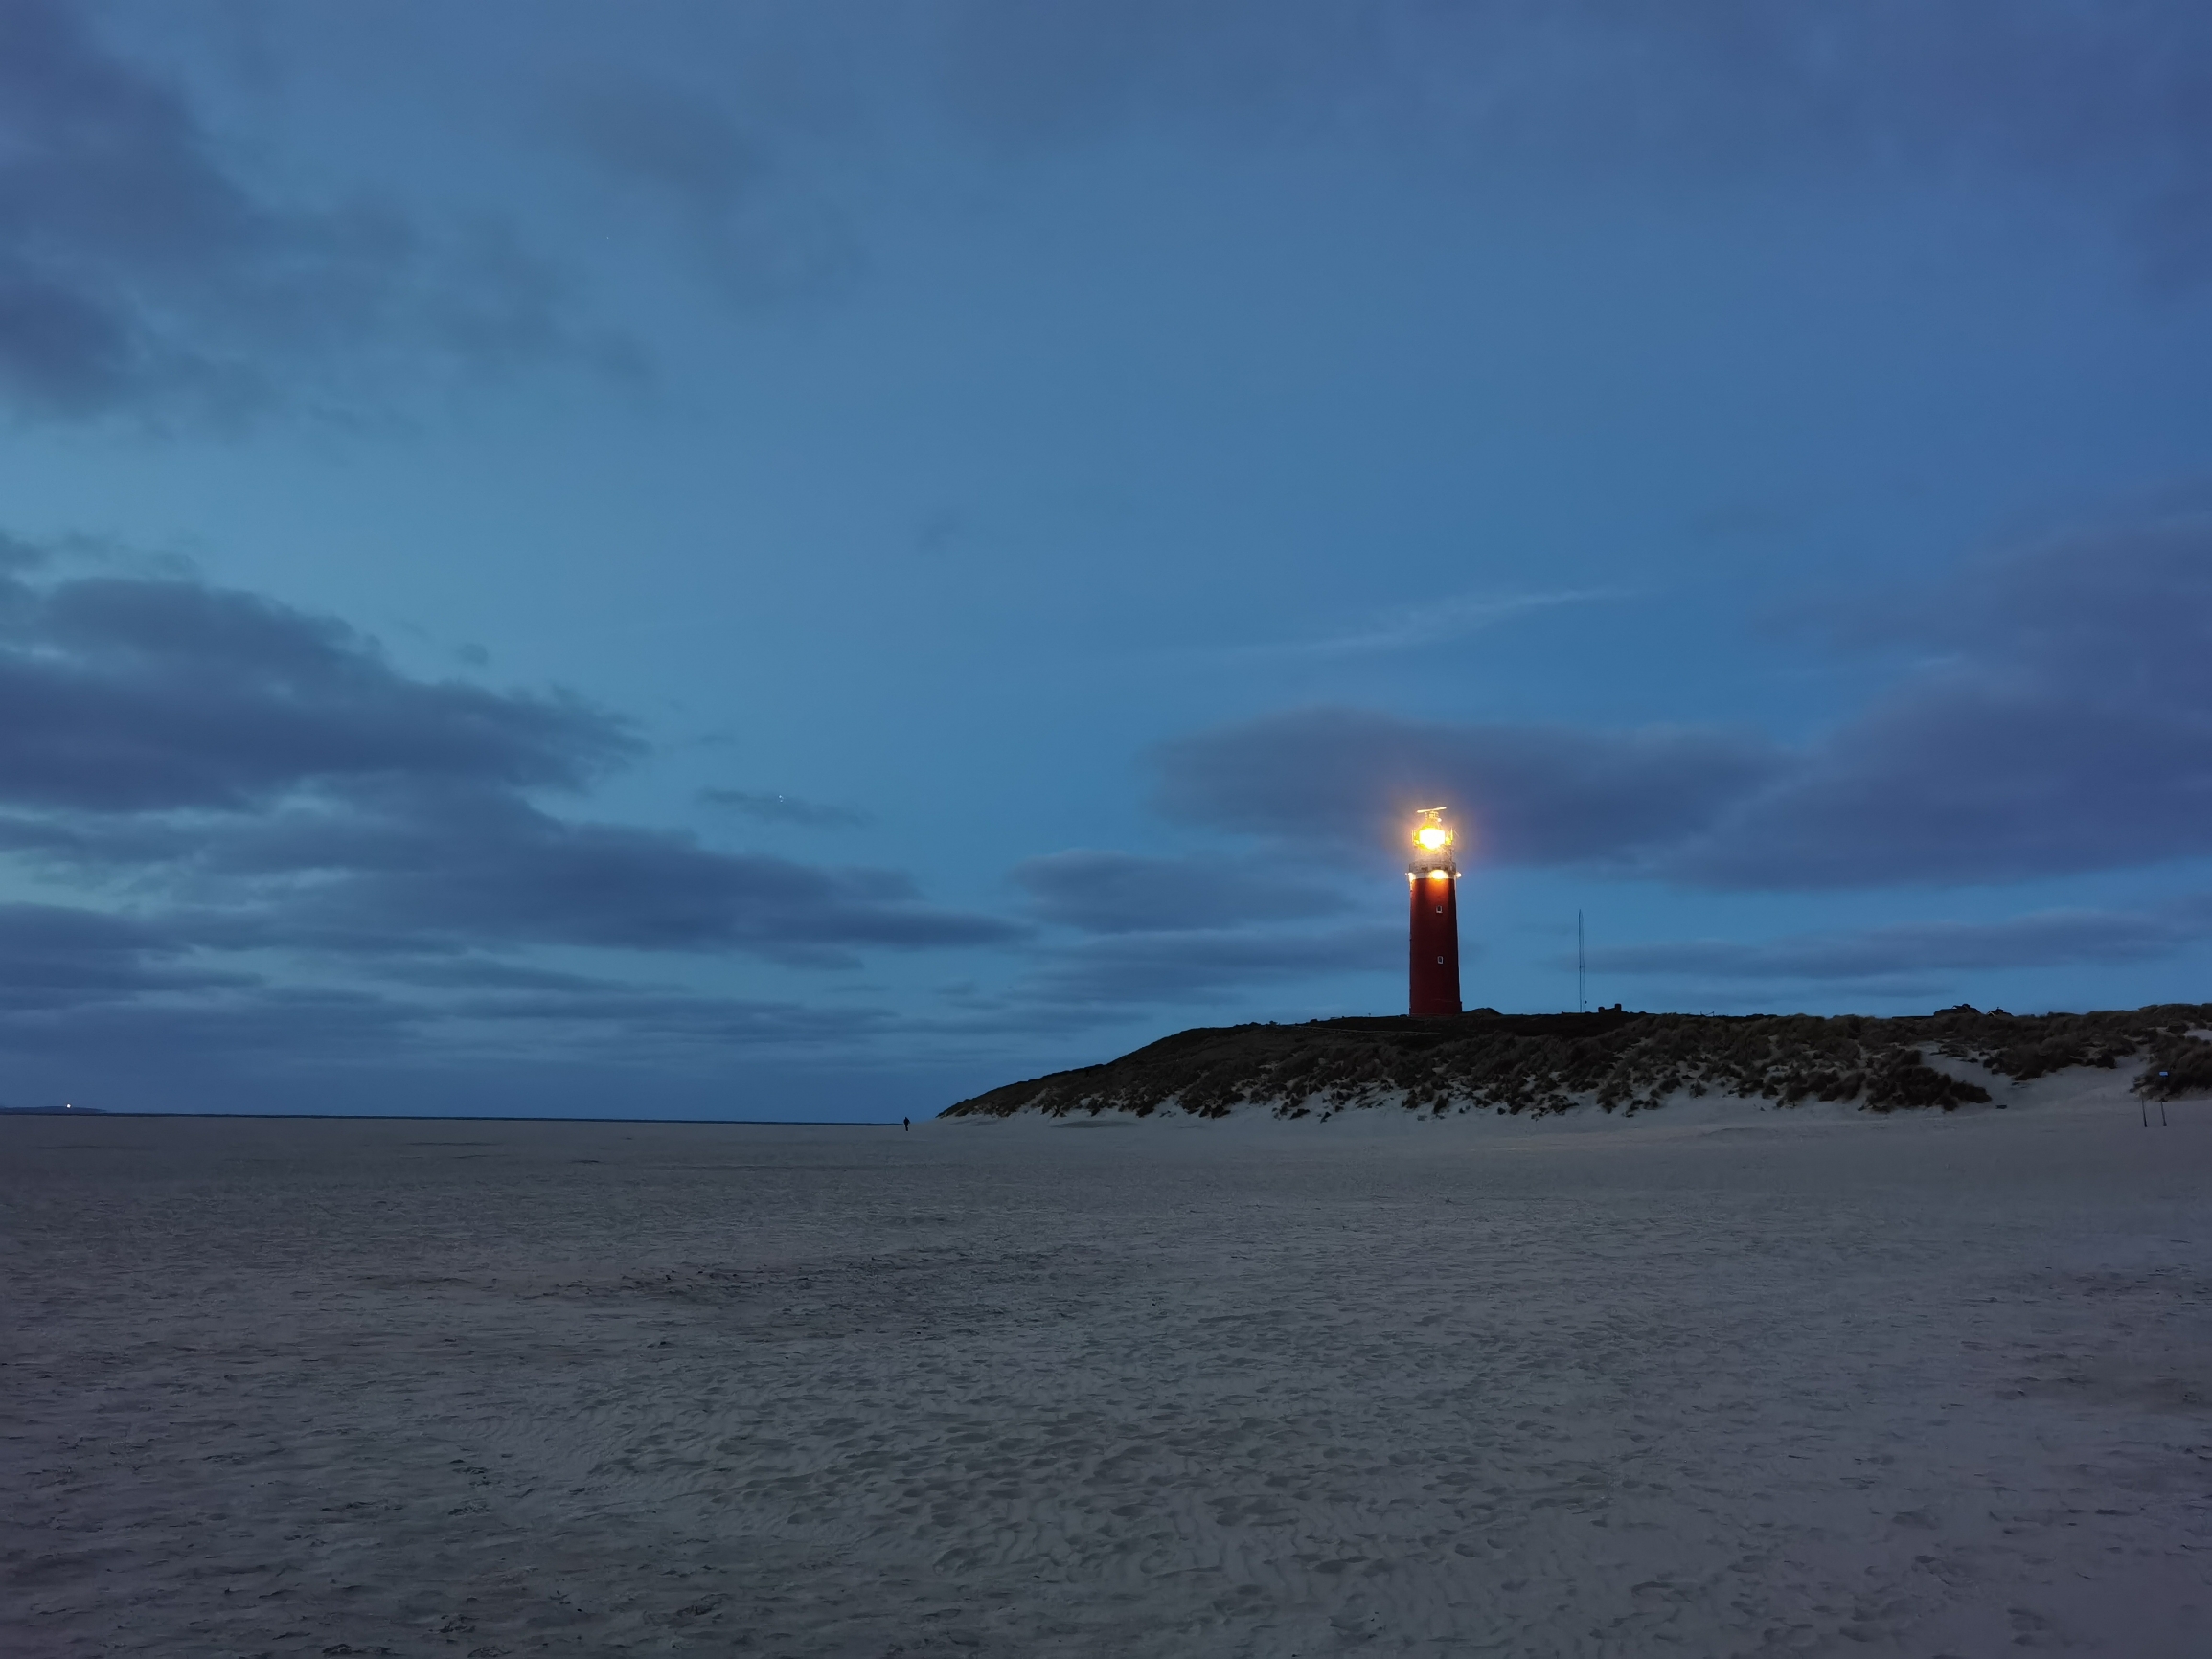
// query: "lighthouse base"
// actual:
[[1434, 956]]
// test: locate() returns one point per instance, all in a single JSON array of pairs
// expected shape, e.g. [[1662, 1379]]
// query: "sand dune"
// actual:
[[1731, 1384]]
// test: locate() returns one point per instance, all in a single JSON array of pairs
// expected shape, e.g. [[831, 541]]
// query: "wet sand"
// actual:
[[1731, 1384]]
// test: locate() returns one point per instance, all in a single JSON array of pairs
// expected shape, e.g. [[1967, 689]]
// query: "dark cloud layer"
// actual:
[[1347, 779], [2107, 103], [106, 183], [2047, 939], [140, 271], [134, 696], [405, 870], [300, 865], [1136, 970], [794, 810], [55, 957], [1102, 892], [597, 1048], [713, 169], [78, 979], [146, 268], [2061, 722], [275, 780], [2066, 725]]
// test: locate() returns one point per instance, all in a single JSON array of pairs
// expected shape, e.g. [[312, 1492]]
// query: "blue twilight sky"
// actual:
[[803, 560]]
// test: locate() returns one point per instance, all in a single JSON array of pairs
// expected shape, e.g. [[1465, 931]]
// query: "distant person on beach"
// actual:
[[908, 1122]]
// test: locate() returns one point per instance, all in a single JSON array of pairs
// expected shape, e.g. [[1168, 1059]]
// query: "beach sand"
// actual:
[[1714, 1382]]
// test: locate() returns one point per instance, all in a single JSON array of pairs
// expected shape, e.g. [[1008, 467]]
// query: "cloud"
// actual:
[[56, 956], [1139, 968], [2104, 105], [1102, 892], [1345, 779], [134, 696], [716, 177], [1450, 617], [266, 1028], [293, 862], [2056, 718], [140, 271], [787, 809], [278, 784], [327, 1025], [2045, 939], [2064, 724], [1067, 72], [488, 1000], [71, 974], [667, 137], [410, 869], [623, 1016], [146, 267]]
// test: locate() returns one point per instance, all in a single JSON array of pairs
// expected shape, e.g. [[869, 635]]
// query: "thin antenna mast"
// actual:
[[1582, 985]]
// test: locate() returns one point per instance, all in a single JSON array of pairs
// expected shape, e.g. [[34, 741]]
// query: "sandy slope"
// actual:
[[1710, 1383]]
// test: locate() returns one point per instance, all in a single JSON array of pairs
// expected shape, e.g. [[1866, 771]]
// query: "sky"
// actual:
[[805, 561]]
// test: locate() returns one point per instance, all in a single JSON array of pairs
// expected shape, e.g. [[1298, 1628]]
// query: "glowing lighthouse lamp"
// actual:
[[1432, 878]]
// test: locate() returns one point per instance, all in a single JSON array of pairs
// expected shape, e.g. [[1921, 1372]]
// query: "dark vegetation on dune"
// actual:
[[1629, 1062]]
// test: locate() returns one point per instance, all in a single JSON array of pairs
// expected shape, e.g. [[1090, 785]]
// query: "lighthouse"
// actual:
[[1432, 882]]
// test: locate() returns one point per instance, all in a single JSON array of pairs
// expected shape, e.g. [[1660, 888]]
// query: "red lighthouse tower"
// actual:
[[1432, 883]]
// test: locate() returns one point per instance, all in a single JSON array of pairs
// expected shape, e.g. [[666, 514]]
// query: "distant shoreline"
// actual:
[[45, 1113]]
